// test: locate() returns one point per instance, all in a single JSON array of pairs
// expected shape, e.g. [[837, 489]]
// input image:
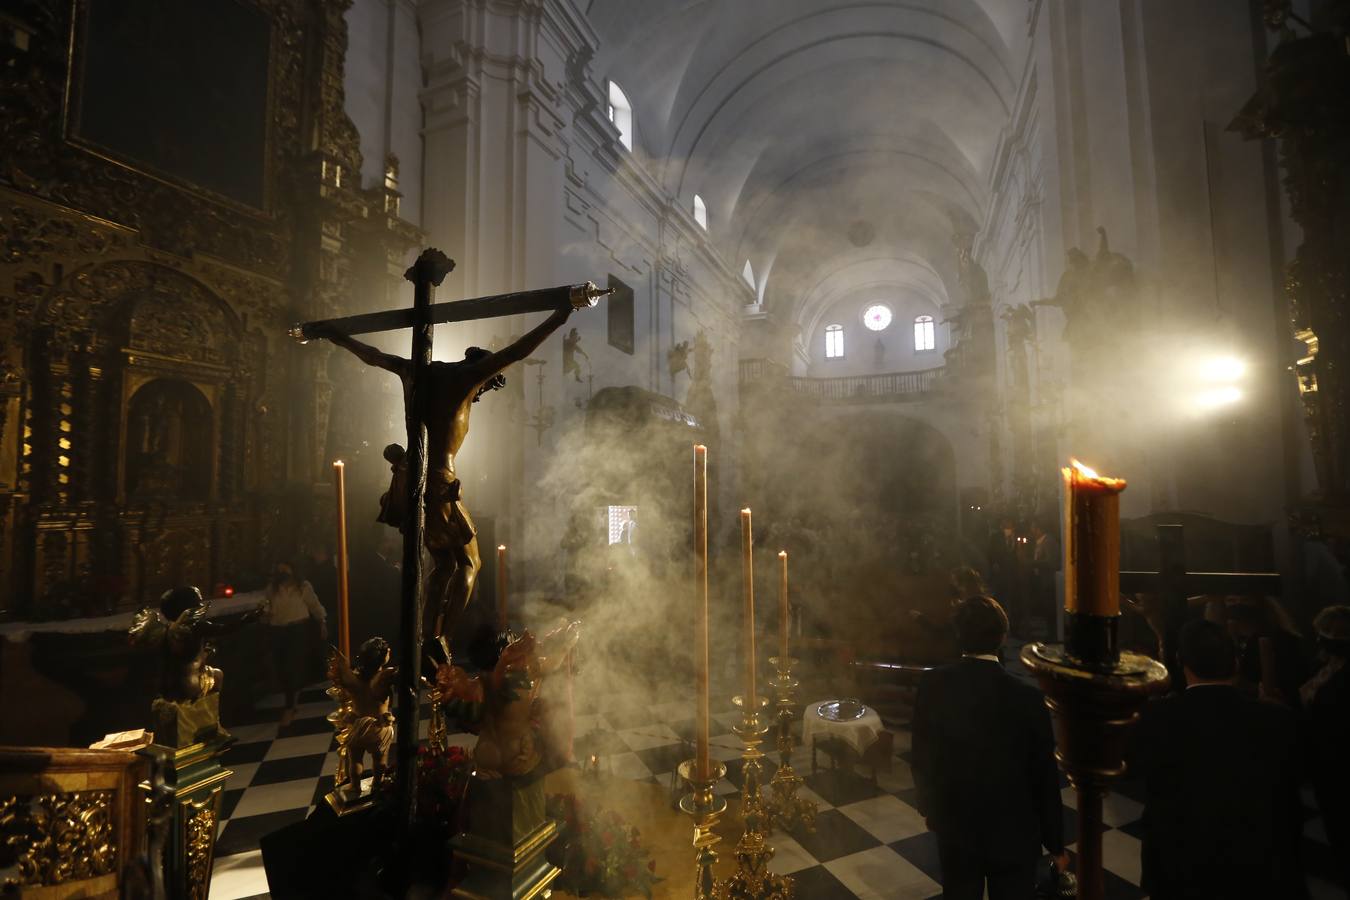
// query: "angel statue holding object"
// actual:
[[367, 724], [188, 706], [450, 537], [504, 701]]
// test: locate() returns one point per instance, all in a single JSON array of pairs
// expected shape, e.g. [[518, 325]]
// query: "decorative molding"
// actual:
[[58, 838]]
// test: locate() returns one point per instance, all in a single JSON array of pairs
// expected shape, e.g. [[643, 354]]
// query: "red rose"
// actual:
[[651, 865]]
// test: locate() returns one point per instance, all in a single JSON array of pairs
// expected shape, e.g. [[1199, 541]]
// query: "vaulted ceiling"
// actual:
[[838, 145]]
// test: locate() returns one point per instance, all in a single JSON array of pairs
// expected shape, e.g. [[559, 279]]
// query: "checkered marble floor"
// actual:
[[869, 840]]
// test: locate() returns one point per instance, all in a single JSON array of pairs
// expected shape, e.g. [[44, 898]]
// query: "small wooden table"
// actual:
[[856, 734]]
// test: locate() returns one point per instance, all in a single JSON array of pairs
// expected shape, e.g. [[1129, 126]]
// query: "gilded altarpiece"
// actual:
[[156, 426]]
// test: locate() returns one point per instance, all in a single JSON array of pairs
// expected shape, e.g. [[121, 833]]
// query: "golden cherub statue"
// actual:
[[503, 701], [365, 723]]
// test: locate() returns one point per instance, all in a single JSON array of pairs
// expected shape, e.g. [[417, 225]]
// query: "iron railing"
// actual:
[[843, 387]]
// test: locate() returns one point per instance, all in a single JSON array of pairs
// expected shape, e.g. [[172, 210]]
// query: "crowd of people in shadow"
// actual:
[[1255, 715]]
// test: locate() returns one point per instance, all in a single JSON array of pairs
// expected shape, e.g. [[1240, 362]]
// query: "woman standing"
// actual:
[[291, 603]]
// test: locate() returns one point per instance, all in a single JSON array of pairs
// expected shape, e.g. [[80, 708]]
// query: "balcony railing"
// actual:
[[889, 385]]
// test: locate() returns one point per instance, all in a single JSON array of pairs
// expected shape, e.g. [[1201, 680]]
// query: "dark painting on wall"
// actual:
[[620, 316], [177, 88]]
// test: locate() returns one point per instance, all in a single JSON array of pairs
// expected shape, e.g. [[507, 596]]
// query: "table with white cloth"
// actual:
[[857, 734], [21, 631]]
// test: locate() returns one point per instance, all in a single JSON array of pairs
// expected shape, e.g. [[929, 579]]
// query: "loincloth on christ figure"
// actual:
[[447, 519]]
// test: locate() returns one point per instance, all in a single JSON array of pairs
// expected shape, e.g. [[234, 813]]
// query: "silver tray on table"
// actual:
[[845, 710]]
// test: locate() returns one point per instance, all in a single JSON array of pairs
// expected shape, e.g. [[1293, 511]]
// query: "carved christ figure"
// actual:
[[453, 388]]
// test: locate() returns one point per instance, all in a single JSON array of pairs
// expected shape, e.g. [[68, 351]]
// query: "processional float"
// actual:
[[510, 858]]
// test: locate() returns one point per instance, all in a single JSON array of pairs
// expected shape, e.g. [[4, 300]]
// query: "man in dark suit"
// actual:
[[1220, 772], [984, 765]]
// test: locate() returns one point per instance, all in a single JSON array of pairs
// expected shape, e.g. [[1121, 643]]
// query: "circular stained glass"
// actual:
[[877, 317]]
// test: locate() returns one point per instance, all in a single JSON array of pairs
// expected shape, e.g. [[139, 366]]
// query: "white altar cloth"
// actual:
[[18, 632]]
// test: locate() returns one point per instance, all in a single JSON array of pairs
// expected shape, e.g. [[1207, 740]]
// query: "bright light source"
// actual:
[[1217, 398], [1223, 368]]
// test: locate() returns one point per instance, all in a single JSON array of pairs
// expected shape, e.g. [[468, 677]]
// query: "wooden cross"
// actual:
[[1173, 584], [426, 274]]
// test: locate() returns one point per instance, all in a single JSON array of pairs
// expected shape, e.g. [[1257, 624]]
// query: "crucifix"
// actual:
[[438, 397]]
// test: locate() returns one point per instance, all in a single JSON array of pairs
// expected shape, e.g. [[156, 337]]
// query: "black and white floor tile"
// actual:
[[869, 841]]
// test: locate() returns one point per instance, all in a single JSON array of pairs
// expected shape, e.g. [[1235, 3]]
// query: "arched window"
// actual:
[[925, 334], [621, 114], [834, 341], [700, 212], [748, 273]]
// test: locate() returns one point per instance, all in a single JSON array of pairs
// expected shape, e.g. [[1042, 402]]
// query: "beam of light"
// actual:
[[1223, 369], [1217, 398]]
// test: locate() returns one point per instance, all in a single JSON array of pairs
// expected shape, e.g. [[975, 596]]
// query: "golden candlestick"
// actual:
[[784, 808], [344, 616], [502, 610], [748, 592], [702, 727], [783, 608], [752, 879], [706, 808]]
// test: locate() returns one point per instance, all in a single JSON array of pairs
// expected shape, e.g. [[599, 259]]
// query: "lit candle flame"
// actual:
[[501, 546], [1084, 470], [1079, 472], [782, 554]]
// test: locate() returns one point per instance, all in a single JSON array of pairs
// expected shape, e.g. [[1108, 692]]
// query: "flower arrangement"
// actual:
[[600, 853], [442, 778]]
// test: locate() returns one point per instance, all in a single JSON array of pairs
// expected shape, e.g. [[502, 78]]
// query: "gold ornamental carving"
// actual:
[[199, 825], [54, 838]]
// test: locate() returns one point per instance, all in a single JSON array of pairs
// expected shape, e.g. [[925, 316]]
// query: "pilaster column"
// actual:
[[499, 105]]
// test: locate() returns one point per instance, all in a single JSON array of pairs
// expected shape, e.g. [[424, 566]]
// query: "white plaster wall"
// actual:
[[527, 186], [382, 80], [1121, 122]]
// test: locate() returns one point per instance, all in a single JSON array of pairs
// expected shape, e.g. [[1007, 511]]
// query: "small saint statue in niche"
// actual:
[[702, 359], [188, 707], [571, 350], [365, 724], [677, 359], [169, 427], [503, 701]]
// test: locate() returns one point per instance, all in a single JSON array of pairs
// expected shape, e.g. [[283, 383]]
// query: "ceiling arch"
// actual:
[[806, 123]]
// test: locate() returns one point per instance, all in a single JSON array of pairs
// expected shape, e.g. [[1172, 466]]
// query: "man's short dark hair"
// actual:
[[981, 625], [1207, 650]]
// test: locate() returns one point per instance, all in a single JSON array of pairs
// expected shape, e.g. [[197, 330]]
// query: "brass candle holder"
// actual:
[[706, 808], [1094, 708], [751, 731], [783, 807], [752, 880]]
